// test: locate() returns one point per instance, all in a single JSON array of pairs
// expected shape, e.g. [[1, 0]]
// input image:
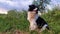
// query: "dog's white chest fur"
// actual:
[[32, 19], [32, 16]]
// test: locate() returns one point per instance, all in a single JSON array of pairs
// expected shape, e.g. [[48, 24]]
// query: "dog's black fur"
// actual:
[[40, 21]]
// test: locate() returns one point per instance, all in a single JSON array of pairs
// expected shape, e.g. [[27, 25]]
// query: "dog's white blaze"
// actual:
[[43, 28]]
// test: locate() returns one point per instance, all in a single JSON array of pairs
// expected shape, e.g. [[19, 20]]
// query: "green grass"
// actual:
[[53, 19], [18, 21], [13, 21]]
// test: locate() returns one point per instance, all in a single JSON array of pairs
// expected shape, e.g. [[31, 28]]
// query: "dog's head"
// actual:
[[32, 7]]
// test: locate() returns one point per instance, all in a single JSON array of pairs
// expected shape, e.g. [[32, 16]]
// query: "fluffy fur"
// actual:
[[35, 20], [31, 18], [41, 23]]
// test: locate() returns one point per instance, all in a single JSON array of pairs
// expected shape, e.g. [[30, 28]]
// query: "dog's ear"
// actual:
[[32, 5], [29, 5]]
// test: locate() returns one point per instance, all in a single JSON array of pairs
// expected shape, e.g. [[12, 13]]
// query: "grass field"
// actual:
[[15, 22]]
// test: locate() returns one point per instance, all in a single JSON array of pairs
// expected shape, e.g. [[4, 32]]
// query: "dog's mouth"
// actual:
[[35, 9]]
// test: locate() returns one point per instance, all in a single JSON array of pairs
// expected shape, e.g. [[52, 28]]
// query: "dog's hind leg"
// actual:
[[43, 28]]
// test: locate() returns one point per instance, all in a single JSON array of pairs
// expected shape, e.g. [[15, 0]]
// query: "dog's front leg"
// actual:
[[33, 25]]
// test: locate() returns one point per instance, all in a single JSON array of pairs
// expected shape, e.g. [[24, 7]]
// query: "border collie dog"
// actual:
[[35, 20]]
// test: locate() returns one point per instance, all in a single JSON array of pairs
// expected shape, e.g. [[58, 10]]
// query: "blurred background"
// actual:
[[13, 16]]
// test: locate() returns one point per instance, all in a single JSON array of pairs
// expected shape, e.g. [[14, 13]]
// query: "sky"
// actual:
[[22, 4]]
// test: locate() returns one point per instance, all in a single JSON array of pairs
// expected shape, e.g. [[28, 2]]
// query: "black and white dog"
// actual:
[[35, 20]]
